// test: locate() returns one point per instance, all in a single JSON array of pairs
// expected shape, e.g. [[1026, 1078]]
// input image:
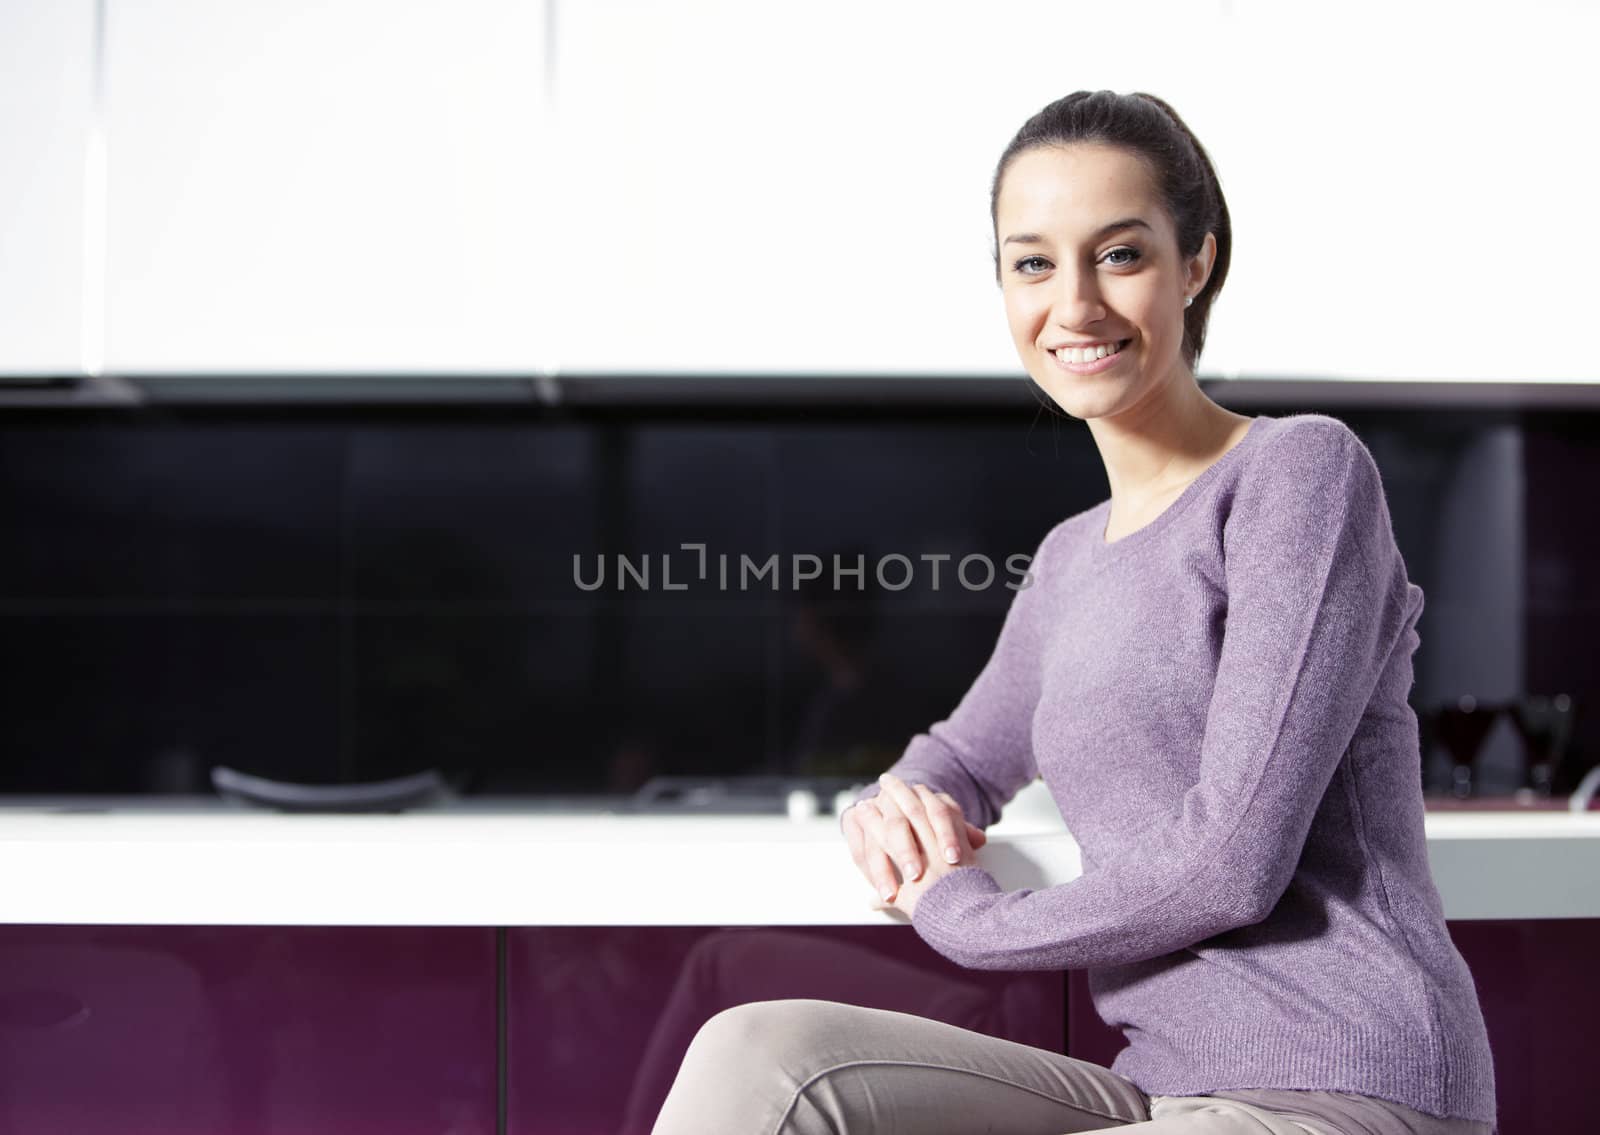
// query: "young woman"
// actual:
[[1210, 672]]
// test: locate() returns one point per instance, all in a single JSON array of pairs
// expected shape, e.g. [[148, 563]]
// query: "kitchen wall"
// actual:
[[350, 591]]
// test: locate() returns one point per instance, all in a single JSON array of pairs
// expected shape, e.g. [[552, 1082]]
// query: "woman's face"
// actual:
[[1069, 277]]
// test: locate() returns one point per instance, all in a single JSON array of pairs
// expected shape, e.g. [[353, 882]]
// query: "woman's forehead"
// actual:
[[1076, 190]]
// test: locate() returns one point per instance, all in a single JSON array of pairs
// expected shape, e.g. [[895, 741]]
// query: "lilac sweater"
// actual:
[[1217, 703]]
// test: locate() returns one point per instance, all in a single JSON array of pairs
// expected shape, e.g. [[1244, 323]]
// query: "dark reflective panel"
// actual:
[[241, 511], [486, 516], [246, 1030], [494, 699], [357, 594], [599, 1018], [145, 702]]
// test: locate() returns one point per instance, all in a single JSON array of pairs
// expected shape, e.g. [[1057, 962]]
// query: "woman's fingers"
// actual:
[[945, 819], [862, 822], [894, 829], [907, 838], [850, 824], [966, 839], [934, 819]]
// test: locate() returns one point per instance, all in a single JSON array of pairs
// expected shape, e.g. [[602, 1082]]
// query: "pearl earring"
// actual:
[[1187, 301]]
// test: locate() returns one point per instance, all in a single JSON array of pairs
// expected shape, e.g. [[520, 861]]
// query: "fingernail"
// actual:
[[951, 855], [909, 869], [887, 893]]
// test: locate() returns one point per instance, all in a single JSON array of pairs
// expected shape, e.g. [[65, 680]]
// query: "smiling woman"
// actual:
[[1087, 299], [1149, 157], [1210, 673]]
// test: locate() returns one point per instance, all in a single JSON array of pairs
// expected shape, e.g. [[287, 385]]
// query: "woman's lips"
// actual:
[[1093, 367]]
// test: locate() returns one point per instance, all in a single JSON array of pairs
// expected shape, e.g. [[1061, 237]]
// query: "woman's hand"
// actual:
[[911, 826]]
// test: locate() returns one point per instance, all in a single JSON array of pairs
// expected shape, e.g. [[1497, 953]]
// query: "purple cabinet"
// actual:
[[598, 1018], [1541, 1001], [183, 1030], [190, 1030]]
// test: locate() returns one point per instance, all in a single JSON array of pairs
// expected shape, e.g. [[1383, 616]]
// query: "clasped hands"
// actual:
[[911, 828]]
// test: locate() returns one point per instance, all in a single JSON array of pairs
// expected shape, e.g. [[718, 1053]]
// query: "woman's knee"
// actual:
[[782, 1035]]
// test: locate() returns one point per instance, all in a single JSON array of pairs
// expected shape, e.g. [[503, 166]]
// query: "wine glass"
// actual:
[[1545, 726], [1462, 727]]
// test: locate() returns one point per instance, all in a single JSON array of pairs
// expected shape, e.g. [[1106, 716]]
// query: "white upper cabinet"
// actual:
[[764, 188], [326, 185], [1412, 192], [46, 89], [726, 187], [760, 188]]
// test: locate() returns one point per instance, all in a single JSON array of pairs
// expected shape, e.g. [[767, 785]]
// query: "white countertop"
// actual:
[[504, 868]]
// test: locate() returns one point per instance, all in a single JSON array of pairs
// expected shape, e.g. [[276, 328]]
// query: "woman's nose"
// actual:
[[1076, 301]]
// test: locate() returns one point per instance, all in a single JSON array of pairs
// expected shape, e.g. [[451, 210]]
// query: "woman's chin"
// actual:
[[1079, 399]]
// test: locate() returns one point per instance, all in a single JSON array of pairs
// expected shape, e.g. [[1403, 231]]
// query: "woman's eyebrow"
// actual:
[[1100, 233]]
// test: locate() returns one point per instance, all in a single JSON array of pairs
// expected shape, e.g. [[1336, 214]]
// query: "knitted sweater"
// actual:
[[1217, 703]]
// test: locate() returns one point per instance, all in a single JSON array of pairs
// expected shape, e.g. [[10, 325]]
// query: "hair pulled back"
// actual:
[[1147, 127]]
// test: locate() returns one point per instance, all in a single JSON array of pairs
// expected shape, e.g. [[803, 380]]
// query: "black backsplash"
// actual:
[[346, 592]]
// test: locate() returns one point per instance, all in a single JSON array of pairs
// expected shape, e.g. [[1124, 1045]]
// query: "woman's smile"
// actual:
[[1089, 361]]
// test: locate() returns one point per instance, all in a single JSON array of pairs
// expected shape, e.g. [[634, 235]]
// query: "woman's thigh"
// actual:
[[800, 1066], [732, 966]]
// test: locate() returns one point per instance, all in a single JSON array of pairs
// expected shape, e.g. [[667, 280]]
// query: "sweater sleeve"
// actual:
[[982, 754], [1315, 605]]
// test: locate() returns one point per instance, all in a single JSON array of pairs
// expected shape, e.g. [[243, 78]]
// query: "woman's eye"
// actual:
[[1129, 255]]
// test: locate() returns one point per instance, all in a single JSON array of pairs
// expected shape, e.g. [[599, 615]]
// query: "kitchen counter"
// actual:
[[502, 866]]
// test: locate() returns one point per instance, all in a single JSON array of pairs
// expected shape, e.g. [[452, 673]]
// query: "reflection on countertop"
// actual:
[[1511, 802]]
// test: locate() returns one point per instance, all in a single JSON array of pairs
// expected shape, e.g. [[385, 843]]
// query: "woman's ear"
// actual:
[[1200, 265]]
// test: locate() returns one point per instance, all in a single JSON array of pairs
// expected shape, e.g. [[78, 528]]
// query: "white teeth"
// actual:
[[1086, 354]]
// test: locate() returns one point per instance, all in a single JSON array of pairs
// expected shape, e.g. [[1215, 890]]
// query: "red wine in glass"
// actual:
[[1462, 727]]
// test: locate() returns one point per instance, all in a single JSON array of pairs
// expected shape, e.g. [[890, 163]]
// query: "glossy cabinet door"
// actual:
[[349, 1031], [46, 99], [804, 189], [598, 1019], [788, 188], [326, 185], [1537, 984], [188, 1030]]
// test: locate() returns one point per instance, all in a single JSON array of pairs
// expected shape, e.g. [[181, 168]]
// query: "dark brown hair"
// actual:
[[1150, 129]]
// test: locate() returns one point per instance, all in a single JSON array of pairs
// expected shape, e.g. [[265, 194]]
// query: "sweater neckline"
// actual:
[[1100, 550]]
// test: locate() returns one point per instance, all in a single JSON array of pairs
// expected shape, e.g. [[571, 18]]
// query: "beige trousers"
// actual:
[[810, 1067]]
